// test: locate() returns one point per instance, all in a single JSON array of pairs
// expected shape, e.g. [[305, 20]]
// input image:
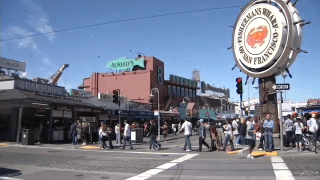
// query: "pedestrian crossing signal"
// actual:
[[239, 86]]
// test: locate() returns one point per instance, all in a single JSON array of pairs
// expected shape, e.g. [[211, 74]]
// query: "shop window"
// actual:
[[174, 90], [182, 91], [178, 91], [169, 90], [186, 92]]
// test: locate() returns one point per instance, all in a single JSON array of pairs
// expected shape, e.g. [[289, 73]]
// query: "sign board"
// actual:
[[89, 119], [109, 97], [182, 81], [80, 109], [281, 87], [38, 87], [205, 87], [79, 92], [124, 63], [266, 40], [156, 113], [12, 64]]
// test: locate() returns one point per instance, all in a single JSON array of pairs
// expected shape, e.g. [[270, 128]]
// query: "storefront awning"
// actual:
[[190, 105]]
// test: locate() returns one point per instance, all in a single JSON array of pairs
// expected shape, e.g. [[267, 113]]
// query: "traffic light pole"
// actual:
[[241, 115], [119, 112]]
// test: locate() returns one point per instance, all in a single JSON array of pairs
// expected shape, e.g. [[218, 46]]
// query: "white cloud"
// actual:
[[38, 19], [27, 42]]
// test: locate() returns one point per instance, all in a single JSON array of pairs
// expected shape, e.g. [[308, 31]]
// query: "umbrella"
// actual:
[[313, 112]]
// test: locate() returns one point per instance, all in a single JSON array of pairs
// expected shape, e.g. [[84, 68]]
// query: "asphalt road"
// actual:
[[54, 162]]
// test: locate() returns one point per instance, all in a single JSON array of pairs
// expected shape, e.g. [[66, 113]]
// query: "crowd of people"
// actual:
[[236, 132]]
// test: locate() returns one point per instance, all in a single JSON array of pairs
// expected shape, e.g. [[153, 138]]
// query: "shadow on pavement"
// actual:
[[9, 172]]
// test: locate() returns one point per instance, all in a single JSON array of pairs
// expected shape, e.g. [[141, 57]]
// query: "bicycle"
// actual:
[[307, 142]]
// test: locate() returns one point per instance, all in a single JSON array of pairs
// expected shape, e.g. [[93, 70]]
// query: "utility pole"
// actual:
[[280, 119]]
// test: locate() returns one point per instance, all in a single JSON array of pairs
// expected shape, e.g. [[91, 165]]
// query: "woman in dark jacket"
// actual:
[[243, 129], [214, 137]]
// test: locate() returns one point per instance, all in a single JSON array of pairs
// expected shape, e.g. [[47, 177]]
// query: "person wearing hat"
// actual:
[[202, 135]]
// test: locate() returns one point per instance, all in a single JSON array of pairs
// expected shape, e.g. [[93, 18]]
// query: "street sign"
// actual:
[[281, 87]]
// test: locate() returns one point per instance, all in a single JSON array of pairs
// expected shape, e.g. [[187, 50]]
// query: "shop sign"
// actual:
[[141, 114], [266, 39], [89, 119], [109, 97], [182, 81], [139, 106], [12, 64], [38, 87], [124, 63], [78, 109], [79, 92]]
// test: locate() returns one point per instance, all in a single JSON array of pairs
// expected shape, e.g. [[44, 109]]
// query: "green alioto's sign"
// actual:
[[205, 114], [125, 63]]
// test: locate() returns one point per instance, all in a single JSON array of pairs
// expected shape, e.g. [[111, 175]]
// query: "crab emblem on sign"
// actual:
[[257, 36]]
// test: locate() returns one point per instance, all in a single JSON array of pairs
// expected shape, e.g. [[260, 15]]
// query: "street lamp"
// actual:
[[207, 110], [151, 96]]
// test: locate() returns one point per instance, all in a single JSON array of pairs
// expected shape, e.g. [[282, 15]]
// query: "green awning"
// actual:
[[207, 114]]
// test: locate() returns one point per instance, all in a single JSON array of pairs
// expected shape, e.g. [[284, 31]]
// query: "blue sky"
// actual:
[[183, 42]]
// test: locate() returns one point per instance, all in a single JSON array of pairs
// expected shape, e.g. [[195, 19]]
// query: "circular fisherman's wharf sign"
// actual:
[[265, 39]]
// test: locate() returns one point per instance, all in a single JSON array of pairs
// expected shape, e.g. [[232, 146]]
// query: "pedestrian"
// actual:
[[179, 125], [103, 132], [313, 128], [249, 137], [214, 137], [79, 131], [202, 135], [268, 133], [145, 129], [165, 131], [243, 128], [84, 133], [257, 129], [117, 131], [153, 132], [73, 130], [262, 140], [174, 128], [187, 127], [288, 124], [229, 135], [109, 134], [127, 135], [298, 126], [235, 132]]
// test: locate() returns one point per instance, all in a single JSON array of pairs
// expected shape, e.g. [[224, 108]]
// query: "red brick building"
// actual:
[[136, 85]]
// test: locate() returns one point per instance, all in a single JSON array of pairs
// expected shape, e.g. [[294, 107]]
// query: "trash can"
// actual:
[[137, 135], [27, 137]]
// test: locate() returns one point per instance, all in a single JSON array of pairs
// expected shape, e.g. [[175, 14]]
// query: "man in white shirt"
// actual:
[[126, 135], [313, 128], [187, 126]]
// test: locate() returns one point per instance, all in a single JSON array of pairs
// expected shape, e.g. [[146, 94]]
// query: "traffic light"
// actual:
[[116, 97], [239, 85]]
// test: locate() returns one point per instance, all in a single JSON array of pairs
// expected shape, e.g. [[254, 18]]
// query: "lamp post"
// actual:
[[207, 109], [151, 96]]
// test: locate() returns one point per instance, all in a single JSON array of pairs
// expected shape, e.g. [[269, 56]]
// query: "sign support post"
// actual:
[[241, 115], [280, 119], [119, 112]]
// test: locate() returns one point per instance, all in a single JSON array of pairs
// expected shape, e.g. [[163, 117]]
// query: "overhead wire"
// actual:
[[119, 21]]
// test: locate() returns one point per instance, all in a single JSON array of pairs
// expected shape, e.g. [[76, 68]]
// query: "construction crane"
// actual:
[[55, 77]]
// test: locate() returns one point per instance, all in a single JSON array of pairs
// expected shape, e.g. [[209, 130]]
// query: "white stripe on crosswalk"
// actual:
[[280, 168], [9, 178], [161, 168]]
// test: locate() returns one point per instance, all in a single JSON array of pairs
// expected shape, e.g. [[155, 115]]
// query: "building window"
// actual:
[[190, 93], [182, 91], [169, 90], [178, 90], [186, 92], [174, 90], [194, 93]]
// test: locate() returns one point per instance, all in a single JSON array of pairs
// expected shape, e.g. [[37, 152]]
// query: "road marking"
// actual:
[[1, 177], [89, 147], [161, 168], [256, 153], [280, 168], [3, 144], [105, 151]]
